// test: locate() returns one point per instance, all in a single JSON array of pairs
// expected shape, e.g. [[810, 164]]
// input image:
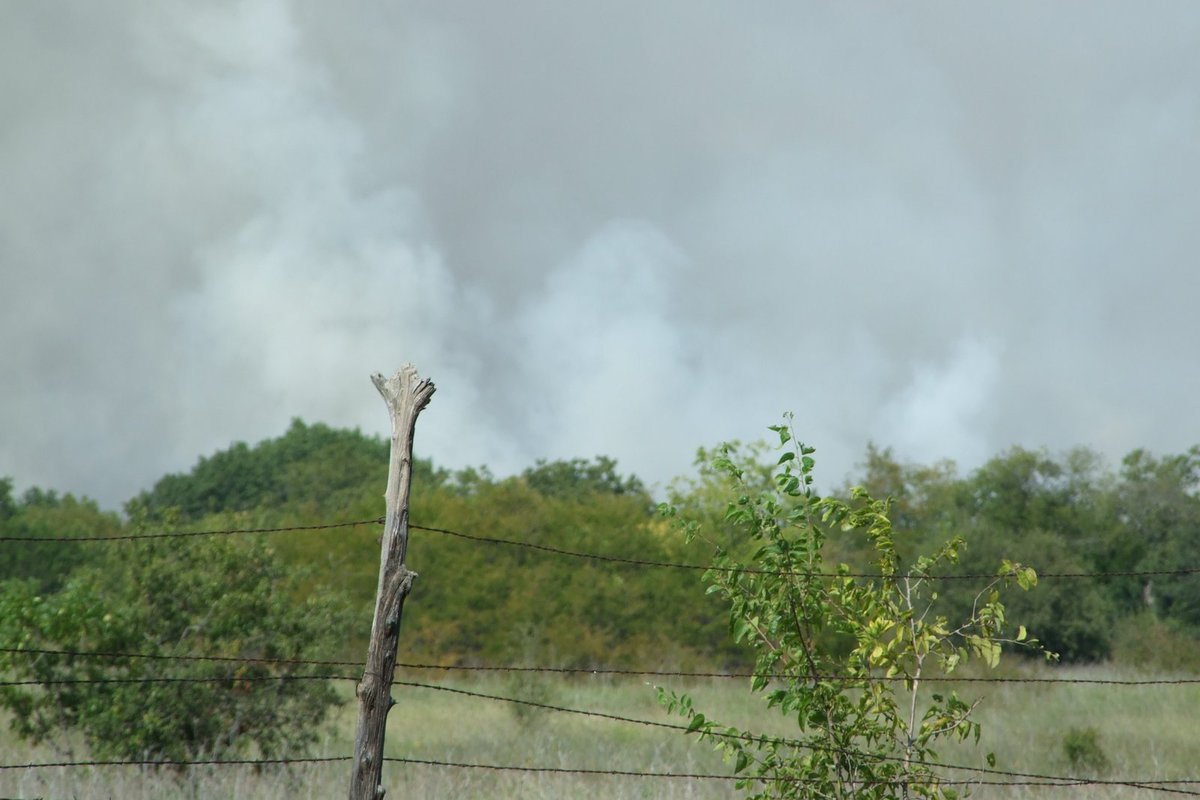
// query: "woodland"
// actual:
[[484, 602], [485, 597]]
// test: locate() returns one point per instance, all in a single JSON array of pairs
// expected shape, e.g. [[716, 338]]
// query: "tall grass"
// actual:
[[1146, 732]]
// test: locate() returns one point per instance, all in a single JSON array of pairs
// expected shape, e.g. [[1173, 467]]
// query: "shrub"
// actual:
[[1082, 748], [823, 638], [171, 598], [1146, 641]]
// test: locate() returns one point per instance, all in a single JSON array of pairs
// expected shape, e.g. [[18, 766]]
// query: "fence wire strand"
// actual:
[[598, 672], [1153, 785], [232, 679], [1063, 782], [137, 537], [1013, 778], [754, 571], [1170, 786], [561, 551], [791, 742]]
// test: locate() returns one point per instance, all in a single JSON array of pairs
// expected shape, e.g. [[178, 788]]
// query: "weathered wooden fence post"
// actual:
[[405, 395]]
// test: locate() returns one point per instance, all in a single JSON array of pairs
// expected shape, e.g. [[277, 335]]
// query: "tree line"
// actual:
[[310, 593]]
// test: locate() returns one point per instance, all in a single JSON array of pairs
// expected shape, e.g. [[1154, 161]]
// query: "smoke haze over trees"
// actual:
[[586, 222]]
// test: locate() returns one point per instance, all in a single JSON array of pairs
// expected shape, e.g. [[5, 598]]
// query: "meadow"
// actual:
[[1142, 732]]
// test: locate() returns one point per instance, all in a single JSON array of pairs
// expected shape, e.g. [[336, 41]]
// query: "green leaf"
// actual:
[[1027, 578]]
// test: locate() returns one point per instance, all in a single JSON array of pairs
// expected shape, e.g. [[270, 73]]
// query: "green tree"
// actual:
[[1029, 490], [8, 506], [170, 598], [41, 515], [923, 497], [704, 497], [588, 613], [580, 477], [311, 466], [1158, 506], [826, 641], [1026, 505], [1073, 617]]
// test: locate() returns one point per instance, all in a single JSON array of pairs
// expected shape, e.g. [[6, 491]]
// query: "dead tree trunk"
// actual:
[[405, 395]]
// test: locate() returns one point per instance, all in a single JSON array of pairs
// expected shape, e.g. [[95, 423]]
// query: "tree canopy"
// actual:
[[490, 602]]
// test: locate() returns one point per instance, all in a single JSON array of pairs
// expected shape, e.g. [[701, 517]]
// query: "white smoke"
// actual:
[[608, 367], [946, 408], [323, 281], [633, 230]]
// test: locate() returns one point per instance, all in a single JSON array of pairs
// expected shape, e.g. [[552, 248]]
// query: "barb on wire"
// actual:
[[134, 537], [755, 571]]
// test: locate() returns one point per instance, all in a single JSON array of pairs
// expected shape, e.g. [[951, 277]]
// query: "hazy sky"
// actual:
[[627, 228]]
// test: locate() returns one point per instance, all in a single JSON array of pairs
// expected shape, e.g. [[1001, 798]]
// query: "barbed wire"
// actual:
[[234, 679], [202, 762], [1015, 778], [779, 675], [1149, 784], [1170, 786], [1063, 782], [539, 705], [1153, 784], [561, 551], [602, 672], [755, 571], [134, 537], [1034, 778], [790, 742], [164, 657]]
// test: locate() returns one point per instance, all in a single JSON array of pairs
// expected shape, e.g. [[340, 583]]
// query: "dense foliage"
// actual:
[[1068, 515], [37, 515], [215, 597], [309, 465], [476, 602]]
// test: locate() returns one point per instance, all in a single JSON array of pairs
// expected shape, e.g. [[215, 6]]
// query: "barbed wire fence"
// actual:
[[981, 776]]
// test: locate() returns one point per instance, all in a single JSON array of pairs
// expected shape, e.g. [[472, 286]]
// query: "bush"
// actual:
[[823, 637], [1082, 748], [171, 598], [1145, 641]]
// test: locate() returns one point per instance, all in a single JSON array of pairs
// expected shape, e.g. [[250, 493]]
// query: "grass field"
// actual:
[[1144, 732]]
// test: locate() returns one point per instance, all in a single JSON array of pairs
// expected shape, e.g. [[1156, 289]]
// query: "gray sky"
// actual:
[[627, 228]]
